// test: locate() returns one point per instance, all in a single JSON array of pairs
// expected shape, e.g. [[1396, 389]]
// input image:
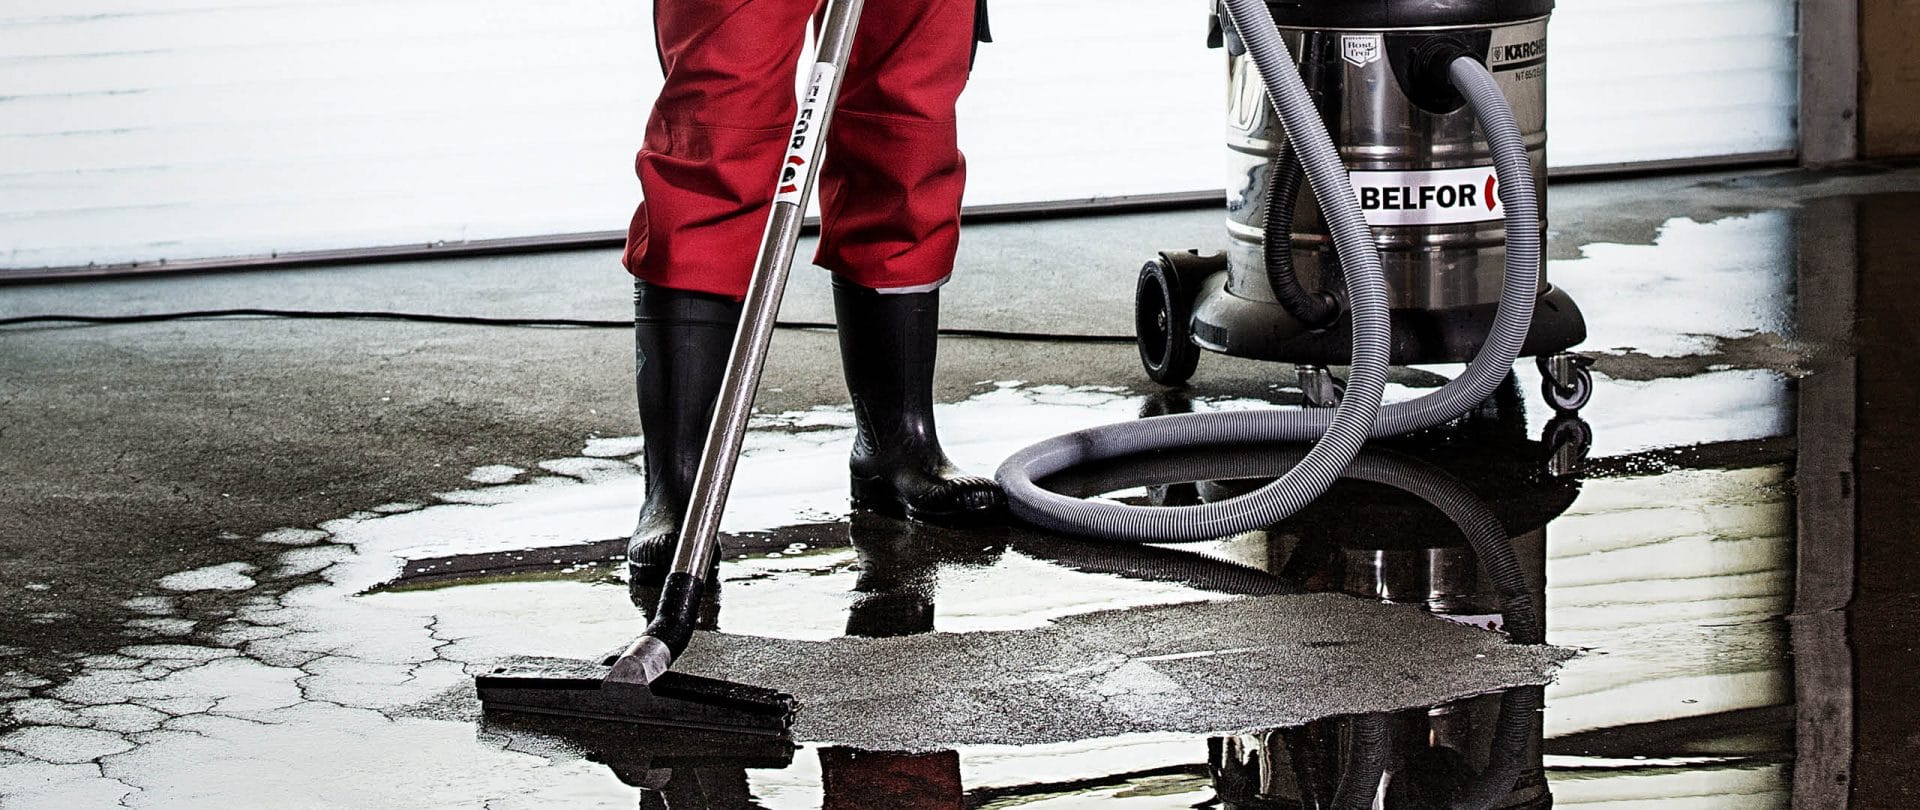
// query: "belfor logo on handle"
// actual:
[[800, 149]]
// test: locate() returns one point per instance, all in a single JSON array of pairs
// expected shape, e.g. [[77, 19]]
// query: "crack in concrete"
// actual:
[[170, 728], [132, 788]]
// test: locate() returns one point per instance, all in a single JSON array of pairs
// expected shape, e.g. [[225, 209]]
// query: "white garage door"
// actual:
[[146, 131]]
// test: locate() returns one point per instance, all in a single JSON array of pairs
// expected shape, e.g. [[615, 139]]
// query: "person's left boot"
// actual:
[[887, 348]]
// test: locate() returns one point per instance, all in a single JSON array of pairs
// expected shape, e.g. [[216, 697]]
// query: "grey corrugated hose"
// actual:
[[1340, 433]]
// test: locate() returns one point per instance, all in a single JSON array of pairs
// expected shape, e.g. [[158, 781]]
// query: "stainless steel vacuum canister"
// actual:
[[1422, 171]]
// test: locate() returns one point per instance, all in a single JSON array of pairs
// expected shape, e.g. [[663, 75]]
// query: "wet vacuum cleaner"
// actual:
[[1423, 241], [635, 686], [1425, 181]]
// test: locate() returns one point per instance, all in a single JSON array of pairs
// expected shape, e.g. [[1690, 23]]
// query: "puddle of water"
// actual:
[[320, 669], [1639, 575], [1654, 295], [1720, 406]]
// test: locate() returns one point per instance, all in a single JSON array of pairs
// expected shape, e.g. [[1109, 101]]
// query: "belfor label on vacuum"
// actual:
[[1434, 197]]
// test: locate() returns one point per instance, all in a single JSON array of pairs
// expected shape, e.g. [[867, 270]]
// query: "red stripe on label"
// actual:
[[1491, 179]]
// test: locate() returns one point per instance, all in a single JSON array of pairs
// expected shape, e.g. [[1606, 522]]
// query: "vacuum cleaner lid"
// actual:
[[1403, 13]]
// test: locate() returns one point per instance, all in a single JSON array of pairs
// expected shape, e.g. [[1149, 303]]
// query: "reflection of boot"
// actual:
[[887, 348], [867, 779], [681, 340], [896, 583], [715, 787], [900, 565]]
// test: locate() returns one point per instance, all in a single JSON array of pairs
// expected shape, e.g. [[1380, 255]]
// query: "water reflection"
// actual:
[[1453, 521], [1482, 752], [1403, 528], [900, 565], [672, 769]]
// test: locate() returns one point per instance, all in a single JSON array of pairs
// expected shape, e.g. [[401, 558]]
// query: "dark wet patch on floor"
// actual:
[[1755, 351]]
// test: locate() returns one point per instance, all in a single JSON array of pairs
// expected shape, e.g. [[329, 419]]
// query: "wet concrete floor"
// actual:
[[257, 560]]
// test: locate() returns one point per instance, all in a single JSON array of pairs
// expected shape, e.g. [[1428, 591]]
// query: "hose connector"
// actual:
[[1424, 69], [678, 613]]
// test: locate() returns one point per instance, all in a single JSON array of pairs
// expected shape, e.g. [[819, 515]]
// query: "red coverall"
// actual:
[[889, 187]]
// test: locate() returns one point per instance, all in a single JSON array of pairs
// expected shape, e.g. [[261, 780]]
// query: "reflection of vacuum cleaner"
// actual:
[[1450, 756], [1416, 523], [1404, 254], [1456, 532], [1424, 757]]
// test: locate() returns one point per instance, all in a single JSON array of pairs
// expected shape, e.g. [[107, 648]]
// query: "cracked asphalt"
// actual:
[[257, 560]]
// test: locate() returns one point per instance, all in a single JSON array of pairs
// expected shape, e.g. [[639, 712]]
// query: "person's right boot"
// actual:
[[681, 340], [888, 342]]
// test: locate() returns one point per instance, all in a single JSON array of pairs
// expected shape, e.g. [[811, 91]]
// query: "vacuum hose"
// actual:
[[1359, 415], [1482, 528], [1316, 308]]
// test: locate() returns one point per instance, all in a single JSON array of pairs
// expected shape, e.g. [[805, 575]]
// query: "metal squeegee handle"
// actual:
[[699, 535], [699, 542]]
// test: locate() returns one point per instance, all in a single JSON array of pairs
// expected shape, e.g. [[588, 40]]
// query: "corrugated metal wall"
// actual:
[[180, 129], [1631, 81], [136, 130]]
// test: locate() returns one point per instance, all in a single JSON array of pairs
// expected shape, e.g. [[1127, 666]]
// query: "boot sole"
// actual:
[[877, 494]]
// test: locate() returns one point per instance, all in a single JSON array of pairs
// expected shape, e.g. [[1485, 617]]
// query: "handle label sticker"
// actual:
[[813, 110], [1436, 197]]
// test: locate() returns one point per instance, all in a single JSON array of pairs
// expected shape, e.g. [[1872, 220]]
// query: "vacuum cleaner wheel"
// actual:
[[1163, 323]]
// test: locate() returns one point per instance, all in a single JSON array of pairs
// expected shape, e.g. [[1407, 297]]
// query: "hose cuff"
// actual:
[[674, 620]]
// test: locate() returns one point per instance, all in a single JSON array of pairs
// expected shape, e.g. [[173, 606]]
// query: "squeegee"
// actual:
[[636, 685]]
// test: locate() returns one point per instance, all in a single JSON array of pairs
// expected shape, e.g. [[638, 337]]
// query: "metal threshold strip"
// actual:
[[1006, 212], [570, 241]]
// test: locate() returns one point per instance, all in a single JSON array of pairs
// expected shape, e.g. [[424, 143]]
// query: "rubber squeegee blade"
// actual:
[[571, 688]]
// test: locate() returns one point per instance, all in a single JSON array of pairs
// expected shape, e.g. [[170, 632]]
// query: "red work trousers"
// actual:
[[889, 187]]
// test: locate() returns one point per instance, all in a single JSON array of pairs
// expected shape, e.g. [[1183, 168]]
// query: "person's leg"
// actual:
[[890, 187], [890, 226], [707, 166], [714, 141], [887, 347], [680, 340]]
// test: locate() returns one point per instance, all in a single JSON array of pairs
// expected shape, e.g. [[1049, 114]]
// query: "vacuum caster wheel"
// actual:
[[1566, 381], [1568, 439], [1163, 322], [1320, 388]]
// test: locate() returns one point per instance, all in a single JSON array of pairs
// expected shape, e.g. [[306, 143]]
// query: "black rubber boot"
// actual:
[[681, 340], [887, 347]]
